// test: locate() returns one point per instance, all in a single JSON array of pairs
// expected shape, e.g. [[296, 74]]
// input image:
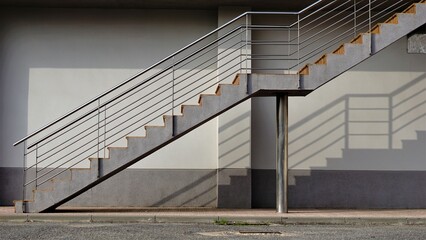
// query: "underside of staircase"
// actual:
[[244, 86]]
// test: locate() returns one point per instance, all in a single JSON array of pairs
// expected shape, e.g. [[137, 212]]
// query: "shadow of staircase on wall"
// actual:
[[413, 153], [234, 188], [324, 188]]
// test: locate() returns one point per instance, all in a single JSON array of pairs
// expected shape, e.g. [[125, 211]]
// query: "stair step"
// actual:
[[384, 34], [322, 60], [411, 9], [336, 64], [359, 39], [200, 99], [393, 19]]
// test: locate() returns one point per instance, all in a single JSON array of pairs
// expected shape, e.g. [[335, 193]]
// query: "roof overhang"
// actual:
[[173, 4]]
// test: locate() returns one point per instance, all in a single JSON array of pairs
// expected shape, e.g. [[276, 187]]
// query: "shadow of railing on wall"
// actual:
[[359, 121]]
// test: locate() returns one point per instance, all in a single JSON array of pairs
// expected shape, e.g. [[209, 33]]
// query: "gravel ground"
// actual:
[[204, 231]]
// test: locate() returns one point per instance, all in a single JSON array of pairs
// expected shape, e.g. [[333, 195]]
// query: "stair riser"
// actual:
[[336, 64], [195, 115], [389, 33]]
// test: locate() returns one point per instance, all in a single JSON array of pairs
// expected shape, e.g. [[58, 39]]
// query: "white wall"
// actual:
[[234, 125], [358, 121], [53, 60]]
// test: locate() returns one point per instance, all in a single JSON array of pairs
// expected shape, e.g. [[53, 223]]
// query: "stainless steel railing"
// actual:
[[263, 42]]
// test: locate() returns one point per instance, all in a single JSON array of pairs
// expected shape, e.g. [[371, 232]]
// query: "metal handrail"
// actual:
[[299, 51], [158, 63]]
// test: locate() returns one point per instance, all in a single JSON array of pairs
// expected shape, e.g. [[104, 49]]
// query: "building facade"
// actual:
[[359, 141]]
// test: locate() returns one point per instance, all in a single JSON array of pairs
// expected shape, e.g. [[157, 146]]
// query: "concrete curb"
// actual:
[[225, 220]]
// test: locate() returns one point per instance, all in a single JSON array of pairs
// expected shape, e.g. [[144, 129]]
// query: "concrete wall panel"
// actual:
[[53, 60]]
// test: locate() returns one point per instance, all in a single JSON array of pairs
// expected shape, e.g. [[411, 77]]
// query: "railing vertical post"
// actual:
[[355, 19], [173, 87], [369, 15], [390, 123], [288, 47], [36, 167], [246, 53], [24, 175], [105, 131], [173, 99], [298, 41], [99, 127], [241, 50]]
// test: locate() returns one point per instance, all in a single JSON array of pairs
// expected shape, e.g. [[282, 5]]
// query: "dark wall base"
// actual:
[[230, 188], [153, 188], [10, 185], [234, 188], [343, 189], [225, 188]]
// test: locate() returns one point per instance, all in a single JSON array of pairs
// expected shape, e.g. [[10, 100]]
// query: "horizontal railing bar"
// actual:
[[232, 59], [285, 27], [328, 27], [259, 68], [209, 80], [42, 145], [164, 92], [155, 65], [128, 80], [70, 129], [273, 59], [333, 30], [314, 12], [269, 41], [151, 82], [212, 84], [136, 86], [304, 33], [273, 43], [327, 20], [368, 121], [329, 44], [200, 70], [61, 149], [215, 56], [271, 56], [162, 61], [141, 125], [55, 168], [111, 121], [73, 151]]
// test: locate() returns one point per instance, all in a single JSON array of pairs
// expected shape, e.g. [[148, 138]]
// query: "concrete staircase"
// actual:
[[226, 96]]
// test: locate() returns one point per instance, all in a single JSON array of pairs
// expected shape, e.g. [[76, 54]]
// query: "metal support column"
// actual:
[[282, 154]]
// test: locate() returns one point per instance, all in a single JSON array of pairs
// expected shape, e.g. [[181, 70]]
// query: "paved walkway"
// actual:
[[222, 216]]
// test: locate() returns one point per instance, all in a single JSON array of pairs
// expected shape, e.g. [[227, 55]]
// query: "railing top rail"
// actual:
[[157, 64]]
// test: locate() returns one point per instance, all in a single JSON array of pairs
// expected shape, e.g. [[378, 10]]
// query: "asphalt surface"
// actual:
[[106, 231]]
